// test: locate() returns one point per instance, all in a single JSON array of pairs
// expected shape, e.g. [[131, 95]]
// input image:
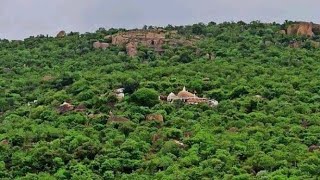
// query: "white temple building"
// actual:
[[190, 98]]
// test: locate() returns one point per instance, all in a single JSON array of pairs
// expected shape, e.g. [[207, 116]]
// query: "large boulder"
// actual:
[[302, 28], [61, 34], [104, 46], [96, 45], [65, 107], [282, 32], [313, 148], [100, 45], [155, 117]]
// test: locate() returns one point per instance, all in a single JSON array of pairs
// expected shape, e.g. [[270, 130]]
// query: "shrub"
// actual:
[[145, 97]]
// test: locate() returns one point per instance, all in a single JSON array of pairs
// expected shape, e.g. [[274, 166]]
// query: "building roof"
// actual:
[[171, 96], [185, 94]]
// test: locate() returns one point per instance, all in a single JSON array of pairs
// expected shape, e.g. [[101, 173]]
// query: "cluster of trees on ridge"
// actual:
[[265, 127]]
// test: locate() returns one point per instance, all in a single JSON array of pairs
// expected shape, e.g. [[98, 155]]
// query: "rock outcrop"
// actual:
[[61, 34], [147, 38], [65, 107], [304, 29], [132, 48], [154, 39], [104, 45], [313, 148], [282, 32], [155, 117], [100, 45]]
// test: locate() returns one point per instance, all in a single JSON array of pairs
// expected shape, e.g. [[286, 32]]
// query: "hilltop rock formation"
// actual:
[[303, 28], [61, 34], [154, 39], [96, 45], [147, 38]]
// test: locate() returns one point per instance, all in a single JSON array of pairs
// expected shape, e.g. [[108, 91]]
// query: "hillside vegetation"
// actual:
[[266, 125]]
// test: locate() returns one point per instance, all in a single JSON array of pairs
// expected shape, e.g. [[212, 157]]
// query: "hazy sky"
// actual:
[[22, 18]]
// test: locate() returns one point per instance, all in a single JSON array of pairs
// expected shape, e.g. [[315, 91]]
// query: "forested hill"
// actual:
[[86, 106]]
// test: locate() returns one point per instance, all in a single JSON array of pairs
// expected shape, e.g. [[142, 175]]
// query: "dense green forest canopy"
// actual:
[[266, 125]]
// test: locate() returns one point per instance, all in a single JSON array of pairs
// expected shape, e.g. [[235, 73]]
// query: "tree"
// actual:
[[198, 29], [185, 58], [145, 97]]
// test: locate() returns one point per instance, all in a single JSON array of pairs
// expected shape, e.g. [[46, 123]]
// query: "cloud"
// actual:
[[22, 18]]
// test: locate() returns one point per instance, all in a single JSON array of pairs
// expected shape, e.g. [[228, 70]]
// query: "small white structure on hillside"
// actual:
[[190, 98]]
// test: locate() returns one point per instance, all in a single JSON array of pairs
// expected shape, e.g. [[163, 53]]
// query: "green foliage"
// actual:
[[266, 125], [145, 97]]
